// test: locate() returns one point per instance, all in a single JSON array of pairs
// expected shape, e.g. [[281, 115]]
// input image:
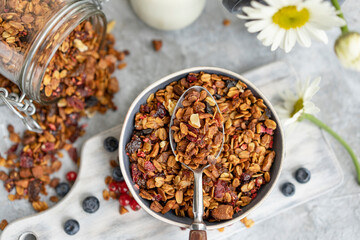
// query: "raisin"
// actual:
[[230, 83], [209, 109], [34, 189], [160, 111], [133, 145], [91, 101]]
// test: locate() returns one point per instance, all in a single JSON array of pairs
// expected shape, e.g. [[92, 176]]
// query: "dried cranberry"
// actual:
[[259, 181], [245, 177], [133, 145], [157, 197], [141, 154], [135, 172], [191, 78], [160, 111], [191, 138], [149, 166], [75, 103], [146, 108], [13, 148], [219, 189], [26, 161], [48, 147], [192, 129], [72, 119]]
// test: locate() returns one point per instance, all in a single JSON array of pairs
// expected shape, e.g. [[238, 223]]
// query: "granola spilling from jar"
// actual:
[[20, 21], [239, 172], [88, 87], [197, 130]]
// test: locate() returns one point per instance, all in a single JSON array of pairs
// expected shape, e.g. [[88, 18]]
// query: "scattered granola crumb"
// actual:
[[110, 26], [3, 224], [226, 22], [54, 199], [123, 210], [247, 222], [157, 44], [122, 65]]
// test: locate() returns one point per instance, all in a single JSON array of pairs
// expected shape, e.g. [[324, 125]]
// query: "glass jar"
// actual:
[[32, 31]]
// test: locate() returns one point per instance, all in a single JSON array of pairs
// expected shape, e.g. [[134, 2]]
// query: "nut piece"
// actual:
[[223, 212], [80, 45], [195, 120]]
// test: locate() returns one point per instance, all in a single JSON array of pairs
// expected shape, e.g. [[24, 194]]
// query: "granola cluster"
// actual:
[[197, 130], [87, 87], [241, 169]]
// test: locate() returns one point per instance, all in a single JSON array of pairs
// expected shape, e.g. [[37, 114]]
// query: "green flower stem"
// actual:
[[322, 125], [335, 3]]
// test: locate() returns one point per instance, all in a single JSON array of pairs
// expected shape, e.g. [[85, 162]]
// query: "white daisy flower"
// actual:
[[282, 23], [295, 105]]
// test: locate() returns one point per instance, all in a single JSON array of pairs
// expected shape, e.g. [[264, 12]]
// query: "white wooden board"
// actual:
[[306, 147]]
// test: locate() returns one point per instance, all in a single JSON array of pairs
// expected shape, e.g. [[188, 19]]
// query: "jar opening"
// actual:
[[61, 51]]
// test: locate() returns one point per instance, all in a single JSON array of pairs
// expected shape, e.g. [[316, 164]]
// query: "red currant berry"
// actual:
[[71, 176], [122, 187], [134, 205], [124, 200], [113, 187]]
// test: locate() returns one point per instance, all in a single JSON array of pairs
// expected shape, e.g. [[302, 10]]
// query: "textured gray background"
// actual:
[[335, 215]]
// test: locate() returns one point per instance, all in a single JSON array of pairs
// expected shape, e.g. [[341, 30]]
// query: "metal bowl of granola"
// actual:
[[246, 171]]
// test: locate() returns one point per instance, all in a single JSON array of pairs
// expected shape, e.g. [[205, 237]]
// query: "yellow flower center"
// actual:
[[297, 106], [289, 17]]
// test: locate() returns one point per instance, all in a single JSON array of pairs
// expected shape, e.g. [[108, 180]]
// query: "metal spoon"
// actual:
[[198, 227]]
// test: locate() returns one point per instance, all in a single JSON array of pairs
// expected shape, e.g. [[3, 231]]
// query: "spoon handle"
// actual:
[[197, 235], [198, 204]]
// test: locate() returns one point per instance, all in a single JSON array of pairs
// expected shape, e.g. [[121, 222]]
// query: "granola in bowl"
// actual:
[[242, 168]]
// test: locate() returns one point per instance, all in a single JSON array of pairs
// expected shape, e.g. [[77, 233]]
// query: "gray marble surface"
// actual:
[[335, 215]]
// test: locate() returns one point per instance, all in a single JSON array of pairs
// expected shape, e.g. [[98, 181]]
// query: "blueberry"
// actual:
[[302, 175], [111, 144], [71, 226], [288, 189], [91, 204], [62, 189], [117, 175]]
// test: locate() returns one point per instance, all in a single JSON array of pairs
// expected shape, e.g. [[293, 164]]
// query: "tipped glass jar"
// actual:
[[31, 33]]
